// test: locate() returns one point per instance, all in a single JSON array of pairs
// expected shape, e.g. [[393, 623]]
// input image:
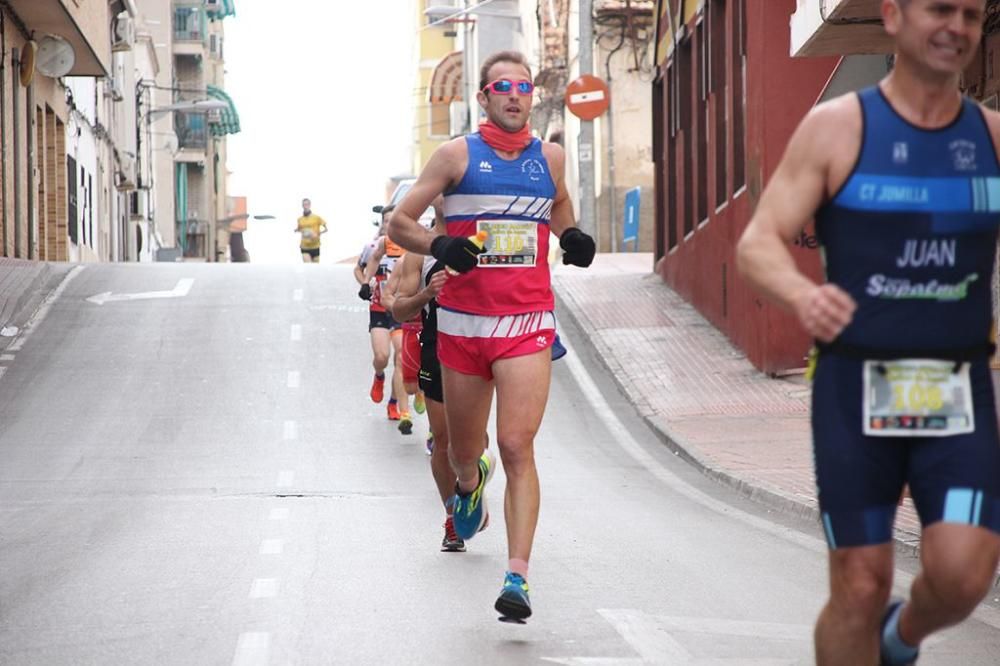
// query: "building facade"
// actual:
[[729, 91], [200, 173], [727, 97], [438, 95], [34, 116]]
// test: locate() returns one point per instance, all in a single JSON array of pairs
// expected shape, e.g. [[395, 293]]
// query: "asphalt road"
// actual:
[[191, 472]]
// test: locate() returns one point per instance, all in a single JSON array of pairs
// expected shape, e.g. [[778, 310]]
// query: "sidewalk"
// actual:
[[696, 390], [23, 286]]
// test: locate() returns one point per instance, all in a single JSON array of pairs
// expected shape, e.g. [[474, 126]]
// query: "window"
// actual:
[[189, 24], [671, 156], [717, 57], [685, 93], [703, 120], [739, 94], [72, 219]]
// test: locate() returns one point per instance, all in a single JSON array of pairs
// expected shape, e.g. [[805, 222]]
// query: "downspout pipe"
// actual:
[[612, 194], [3, 131], [15, 62]]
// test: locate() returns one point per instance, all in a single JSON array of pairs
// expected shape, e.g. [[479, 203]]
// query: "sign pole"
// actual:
[[585, 141]]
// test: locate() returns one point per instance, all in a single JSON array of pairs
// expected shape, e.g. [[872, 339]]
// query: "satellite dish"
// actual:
[[55, 56], [27, 67]]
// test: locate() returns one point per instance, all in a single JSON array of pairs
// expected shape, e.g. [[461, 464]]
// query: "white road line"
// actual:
[[272, 547], [3, 370], [6, 357], [294, 379], [297, 295], [286, 478], [43, 311], [291, 431], [252, 649], [296, 332], [624, 439], [264, 588], [278, 514]]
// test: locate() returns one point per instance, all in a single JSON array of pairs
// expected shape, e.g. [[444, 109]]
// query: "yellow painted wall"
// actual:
[[433, 46]]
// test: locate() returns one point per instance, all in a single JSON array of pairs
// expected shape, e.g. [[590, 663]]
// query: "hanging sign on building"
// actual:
[[587, 97]]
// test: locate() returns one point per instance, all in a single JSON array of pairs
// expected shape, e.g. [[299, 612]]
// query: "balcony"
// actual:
[[190, 29], [838, 27], [191, 130]]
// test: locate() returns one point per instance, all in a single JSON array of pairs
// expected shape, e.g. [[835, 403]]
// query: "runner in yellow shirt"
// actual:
[[310, 226]]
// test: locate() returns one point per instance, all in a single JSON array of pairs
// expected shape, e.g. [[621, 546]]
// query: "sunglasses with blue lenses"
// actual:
[[505, 86]]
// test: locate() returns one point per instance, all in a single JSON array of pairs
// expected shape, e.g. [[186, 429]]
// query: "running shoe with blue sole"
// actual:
[[513, 602], [470, 508], [893, 608]]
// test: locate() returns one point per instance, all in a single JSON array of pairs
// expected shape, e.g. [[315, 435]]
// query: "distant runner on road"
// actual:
[[311, 226]]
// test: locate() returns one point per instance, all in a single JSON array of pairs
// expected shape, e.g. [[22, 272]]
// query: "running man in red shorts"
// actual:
[[495, 322]]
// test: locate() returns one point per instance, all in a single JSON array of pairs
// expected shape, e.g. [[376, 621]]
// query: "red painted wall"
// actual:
[[779, 91]]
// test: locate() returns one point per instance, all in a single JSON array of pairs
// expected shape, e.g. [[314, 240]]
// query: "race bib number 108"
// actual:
[[917, 398]]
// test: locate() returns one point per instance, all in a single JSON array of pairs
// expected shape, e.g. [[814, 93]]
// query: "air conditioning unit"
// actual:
[[215, 46], [113, 90], [125, 175], [458, 112], [214, 116], [123, 34]]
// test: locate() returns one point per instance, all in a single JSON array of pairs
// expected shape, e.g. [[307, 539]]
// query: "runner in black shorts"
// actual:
[[420, 280], [895, 177], [381, 325]]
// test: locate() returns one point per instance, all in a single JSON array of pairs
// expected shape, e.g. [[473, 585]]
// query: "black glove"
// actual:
[[457, 253], [365, 293], [578, 247]]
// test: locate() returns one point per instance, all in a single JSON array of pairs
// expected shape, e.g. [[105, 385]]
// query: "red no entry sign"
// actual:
[[587, 97]]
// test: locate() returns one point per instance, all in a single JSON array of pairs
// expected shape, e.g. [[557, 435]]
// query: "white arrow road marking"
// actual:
[[182, 289]]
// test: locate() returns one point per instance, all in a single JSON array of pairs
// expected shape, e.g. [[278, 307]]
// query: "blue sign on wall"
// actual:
[[630, 230]]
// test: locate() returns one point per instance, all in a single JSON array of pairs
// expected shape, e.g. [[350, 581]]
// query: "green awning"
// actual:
[[229, 120], [228, 8]]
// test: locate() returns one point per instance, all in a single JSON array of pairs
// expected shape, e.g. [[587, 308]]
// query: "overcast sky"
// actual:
[[324, 92]]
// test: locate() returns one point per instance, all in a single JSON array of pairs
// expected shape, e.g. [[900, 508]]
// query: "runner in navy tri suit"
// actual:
[[903, 182]]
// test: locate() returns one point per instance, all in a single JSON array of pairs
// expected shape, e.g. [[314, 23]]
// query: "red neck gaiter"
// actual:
[[498, 138]]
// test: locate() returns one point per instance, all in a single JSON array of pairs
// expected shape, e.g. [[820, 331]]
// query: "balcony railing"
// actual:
[[191, 130], [189, 23]]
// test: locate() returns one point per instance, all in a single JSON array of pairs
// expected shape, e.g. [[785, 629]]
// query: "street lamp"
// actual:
[[195, 106], [443, 14]]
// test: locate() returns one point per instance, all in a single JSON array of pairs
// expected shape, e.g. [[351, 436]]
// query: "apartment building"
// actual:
[[200, 176], [42, 41]]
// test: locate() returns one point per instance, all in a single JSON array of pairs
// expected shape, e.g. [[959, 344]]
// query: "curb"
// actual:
[[23, 300], [766, 496]]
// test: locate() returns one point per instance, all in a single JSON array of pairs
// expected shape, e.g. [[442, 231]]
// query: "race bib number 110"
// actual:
[[509, 244]]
